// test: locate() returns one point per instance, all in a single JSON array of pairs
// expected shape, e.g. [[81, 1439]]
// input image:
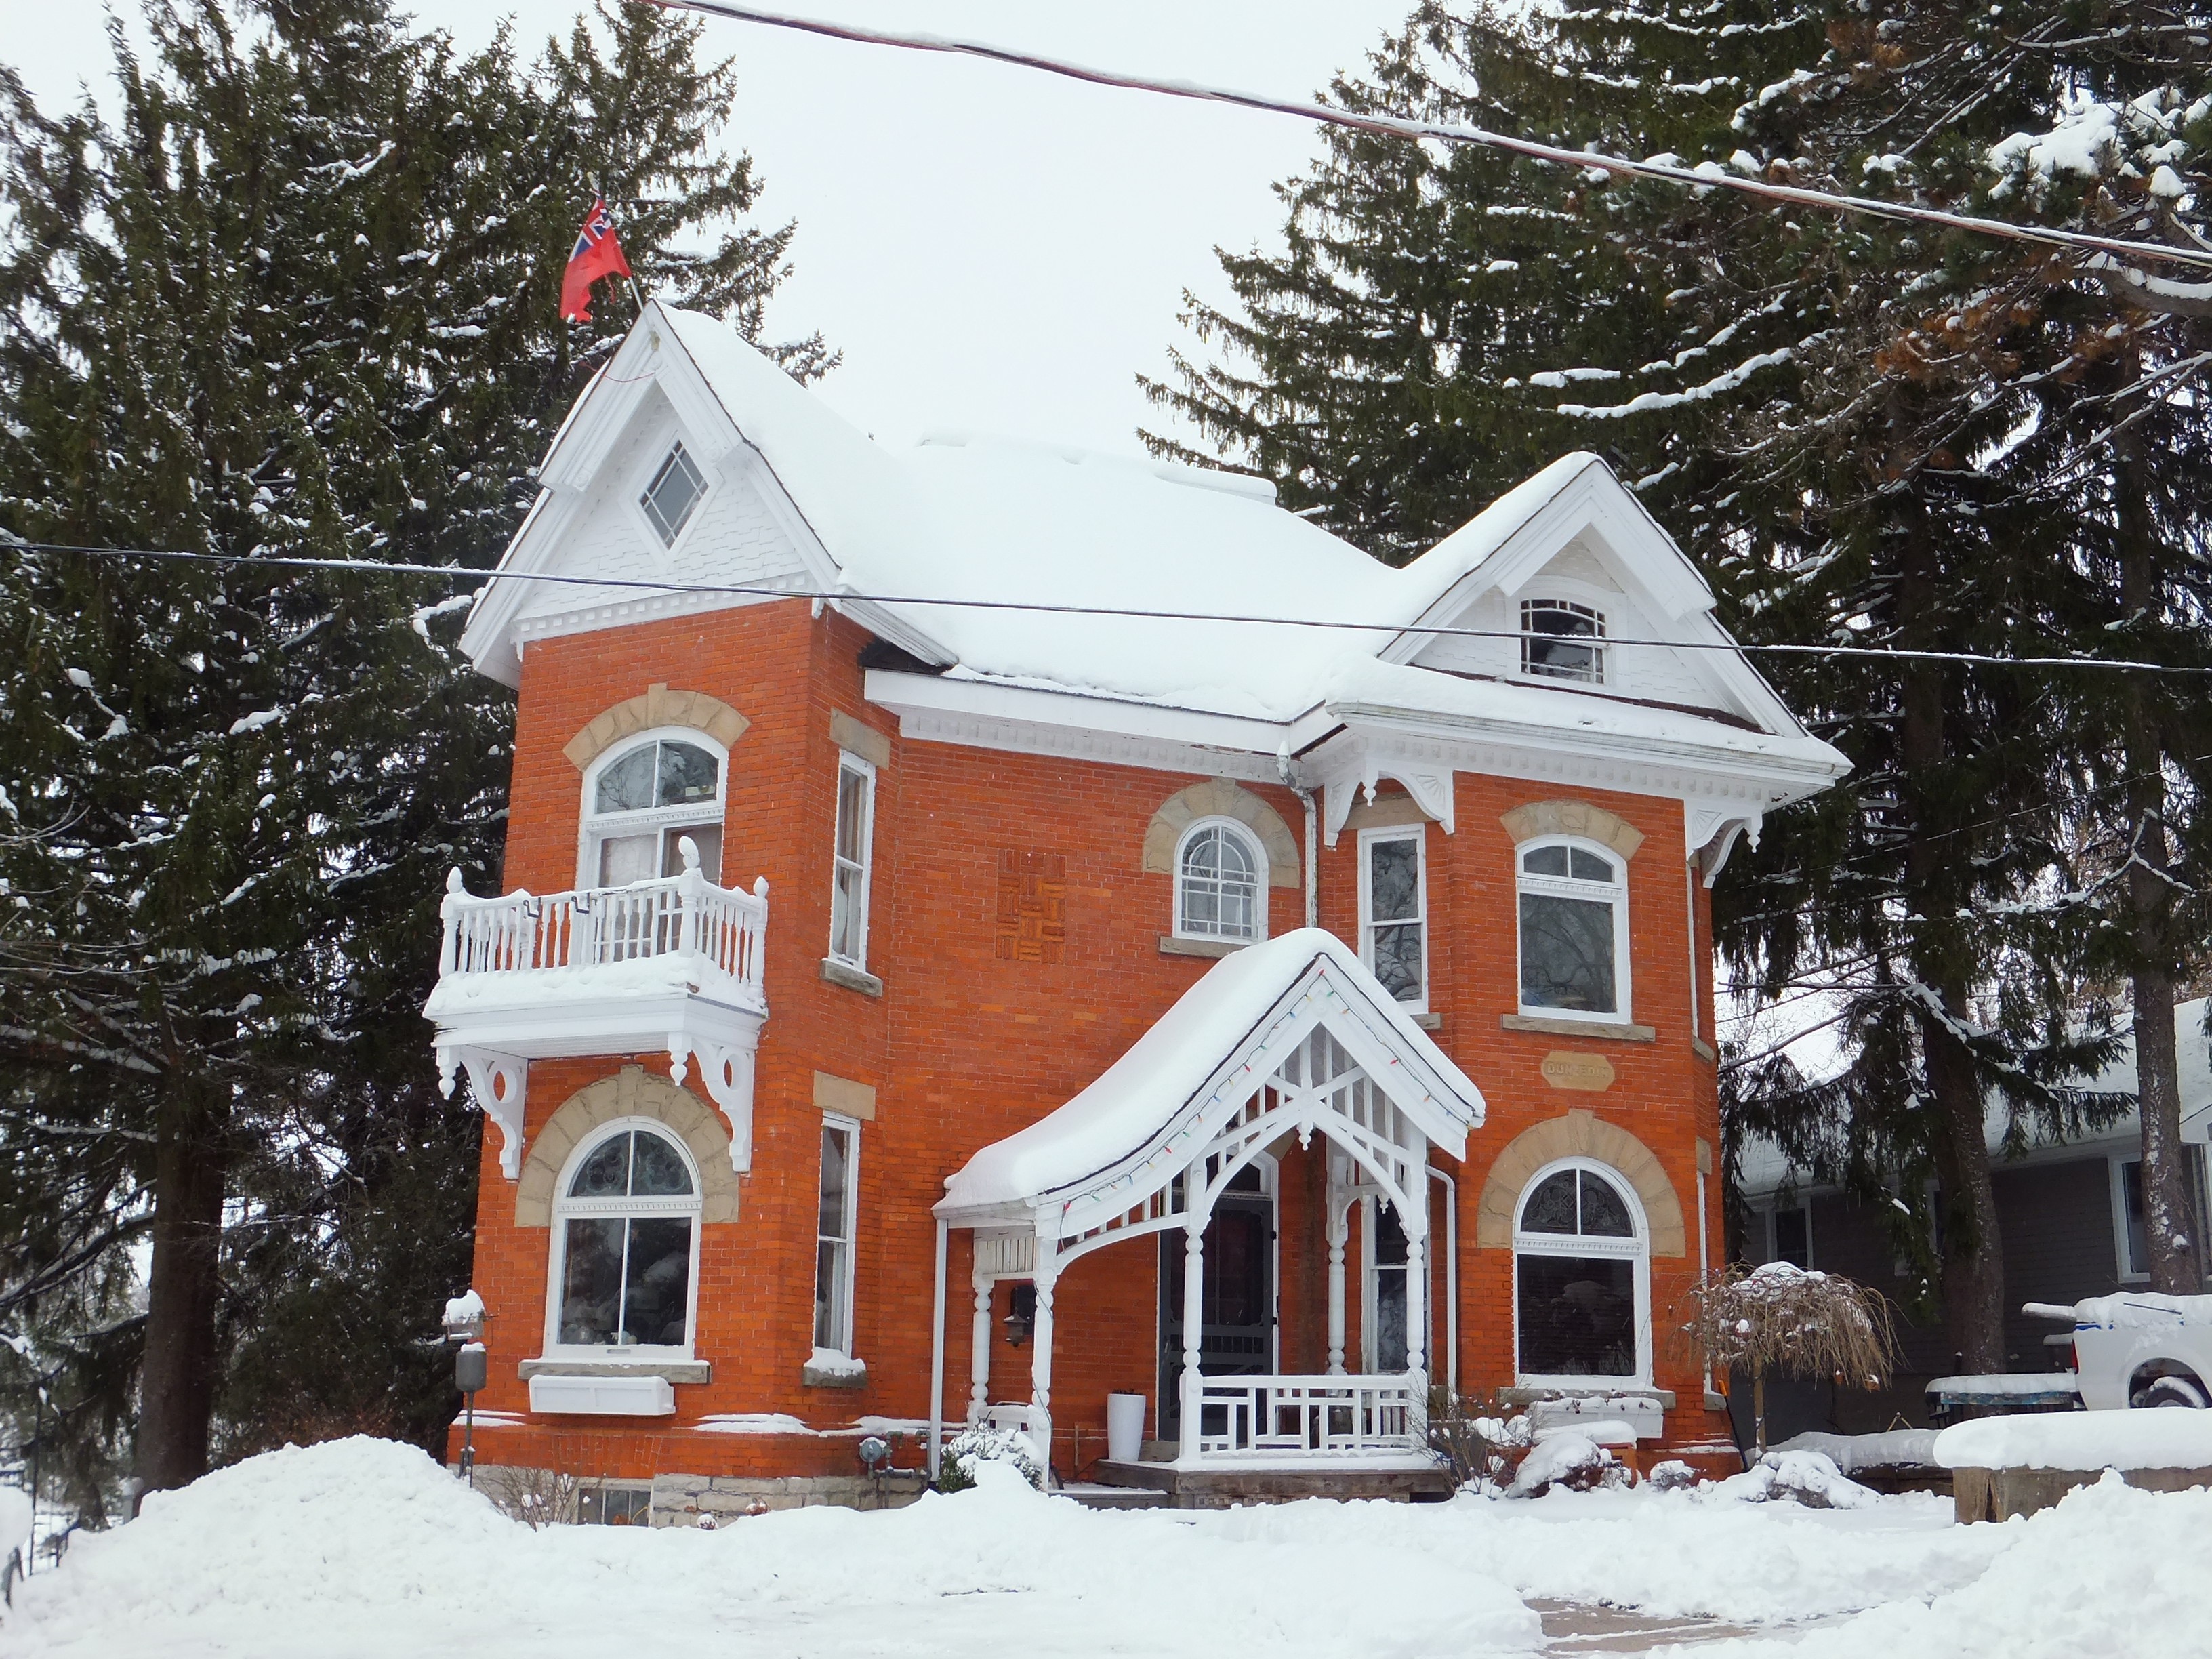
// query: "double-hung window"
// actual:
[[1394, 913], [856, 835], [1574, 930], [833, 1235]]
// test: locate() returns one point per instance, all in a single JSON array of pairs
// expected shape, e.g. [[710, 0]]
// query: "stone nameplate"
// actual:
[[1564, 1069]]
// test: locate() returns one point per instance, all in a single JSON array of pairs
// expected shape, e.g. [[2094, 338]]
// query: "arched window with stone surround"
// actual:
[[1573, 915], [625, 1252], [1221, 882], [642, 798], [1582, 1272]]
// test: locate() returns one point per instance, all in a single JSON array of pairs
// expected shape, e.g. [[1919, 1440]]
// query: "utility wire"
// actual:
[[841, 596], [1453, 133]]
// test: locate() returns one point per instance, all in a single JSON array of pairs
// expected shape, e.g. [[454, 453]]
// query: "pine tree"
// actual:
[[299, 299]]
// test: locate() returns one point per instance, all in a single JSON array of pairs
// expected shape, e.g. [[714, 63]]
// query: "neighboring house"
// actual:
[[2070, 1213], [903, 1012]]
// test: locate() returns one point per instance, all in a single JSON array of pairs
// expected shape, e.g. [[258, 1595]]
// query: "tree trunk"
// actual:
[[1972, 1247], [2169, 1230], [177, 1382]]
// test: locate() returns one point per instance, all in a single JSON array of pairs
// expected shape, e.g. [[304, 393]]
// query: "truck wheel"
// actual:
[[2172, 1391]]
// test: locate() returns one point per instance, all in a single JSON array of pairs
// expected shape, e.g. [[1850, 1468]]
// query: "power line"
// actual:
[[1450, 132], [841, 596]]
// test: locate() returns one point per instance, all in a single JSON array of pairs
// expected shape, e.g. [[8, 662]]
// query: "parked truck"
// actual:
[[2138, 1348]]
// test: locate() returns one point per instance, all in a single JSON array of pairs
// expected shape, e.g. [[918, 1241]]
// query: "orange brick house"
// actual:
[[920, 981]]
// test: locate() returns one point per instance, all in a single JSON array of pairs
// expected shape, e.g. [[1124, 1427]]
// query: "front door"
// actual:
[[1236, 1328]]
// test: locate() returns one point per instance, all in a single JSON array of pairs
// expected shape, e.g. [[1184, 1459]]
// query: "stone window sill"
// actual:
[[853, 978], [1173, 945], [824, 1376], [1533, 1395], [673, 1371], [1427, 1022], [1600, 1030]]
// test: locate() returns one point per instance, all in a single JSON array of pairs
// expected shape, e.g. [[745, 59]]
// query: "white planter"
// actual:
[[1125, 1427]]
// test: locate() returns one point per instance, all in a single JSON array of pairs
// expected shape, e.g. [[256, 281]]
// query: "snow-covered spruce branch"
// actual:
[[1727, 382]]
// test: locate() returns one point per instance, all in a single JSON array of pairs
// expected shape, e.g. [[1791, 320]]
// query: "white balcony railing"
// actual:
[[1319, 1416], [674, 963], [723, 932]]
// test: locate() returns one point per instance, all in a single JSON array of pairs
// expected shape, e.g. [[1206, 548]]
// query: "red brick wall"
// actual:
[[970, 1042]]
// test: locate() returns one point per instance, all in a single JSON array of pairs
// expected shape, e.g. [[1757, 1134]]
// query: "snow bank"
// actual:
[[1896, 1449], [362, 1549], [2163, 1438], [2109, 1572], [1809, 1478]]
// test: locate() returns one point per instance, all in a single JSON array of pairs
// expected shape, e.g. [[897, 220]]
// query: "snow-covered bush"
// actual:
[[1799, 1477], [1569, 1460], [1477, 1446], [980, 1443], [1673, 1475]]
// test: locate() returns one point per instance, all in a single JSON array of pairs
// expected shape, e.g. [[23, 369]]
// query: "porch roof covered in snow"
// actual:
[[1293, 1036]]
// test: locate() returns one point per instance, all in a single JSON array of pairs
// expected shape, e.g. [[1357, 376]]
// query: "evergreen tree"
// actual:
[[298, 299]]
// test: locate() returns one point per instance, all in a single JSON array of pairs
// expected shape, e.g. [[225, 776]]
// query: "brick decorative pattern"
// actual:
[[1032, 907]]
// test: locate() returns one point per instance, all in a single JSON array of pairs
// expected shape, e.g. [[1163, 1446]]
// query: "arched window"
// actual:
[[626, 1243], [640, 800], [1574, 929], [1221, 882], [1563, 641], [1582, 1277]]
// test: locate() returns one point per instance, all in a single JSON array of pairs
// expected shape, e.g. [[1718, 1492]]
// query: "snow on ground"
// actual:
[[362, 1547]]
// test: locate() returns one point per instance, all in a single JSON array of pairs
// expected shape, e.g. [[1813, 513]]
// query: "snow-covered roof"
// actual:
[[1017, 524], [1199, 1057]]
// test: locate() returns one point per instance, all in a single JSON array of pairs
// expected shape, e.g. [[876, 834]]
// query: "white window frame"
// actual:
[[1419, 834], [1242, 834], [1636, 1250], [1587, 892], [567, 1209], [593, 827], [2192, 1174], [1773, 1215], [848, 762], [850, 1127], [657, 455], [1597, 642]]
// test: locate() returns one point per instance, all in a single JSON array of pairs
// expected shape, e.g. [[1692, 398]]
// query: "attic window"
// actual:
[[674, 492], [1562, 641]]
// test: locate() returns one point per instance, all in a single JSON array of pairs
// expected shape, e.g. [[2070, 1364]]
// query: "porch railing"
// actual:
[[725, 931], [1310, 1416]]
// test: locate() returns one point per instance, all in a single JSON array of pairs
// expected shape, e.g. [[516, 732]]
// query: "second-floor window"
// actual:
[[1394, 913], [639, 804], [1220, 883], [1574, 930], [855, 837], [833, 1235]]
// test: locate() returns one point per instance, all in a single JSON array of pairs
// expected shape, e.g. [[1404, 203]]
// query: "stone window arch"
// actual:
[[631, 1093], [1578, 1133], [657, 707], [1221, 798]]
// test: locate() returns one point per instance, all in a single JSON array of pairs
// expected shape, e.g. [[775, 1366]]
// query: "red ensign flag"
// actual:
[[597, 253]]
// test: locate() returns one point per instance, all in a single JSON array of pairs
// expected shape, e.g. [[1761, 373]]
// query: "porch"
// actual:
[[1289, 1048], [673, 964]]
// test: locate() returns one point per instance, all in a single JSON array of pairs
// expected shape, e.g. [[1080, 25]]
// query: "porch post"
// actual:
[[1194, 1315], [1046, 1274], [979, 1364], [1416, 1288], [1339, 1223]]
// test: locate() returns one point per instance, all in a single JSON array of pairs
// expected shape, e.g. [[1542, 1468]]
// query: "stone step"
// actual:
[[1094, 1497]]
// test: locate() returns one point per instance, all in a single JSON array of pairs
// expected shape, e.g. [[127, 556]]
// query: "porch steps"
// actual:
[[1219, 1488], [1093, 1496]]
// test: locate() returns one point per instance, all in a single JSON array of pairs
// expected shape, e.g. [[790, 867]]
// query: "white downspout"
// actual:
[[1313, 834], [1452, 1275], [937, 1358]]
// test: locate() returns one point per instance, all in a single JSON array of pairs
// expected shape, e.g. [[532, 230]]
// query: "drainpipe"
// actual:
[[1313, 832], [1451, 1277], [937, 1362]]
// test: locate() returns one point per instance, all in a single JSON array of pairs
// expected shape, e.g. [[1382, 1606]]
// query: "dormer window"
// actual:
[[1562, 641], [672, 496]]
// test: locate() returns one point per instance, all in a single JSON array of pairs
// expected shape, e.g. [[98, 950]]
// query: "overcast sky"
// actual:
[[991, 248]]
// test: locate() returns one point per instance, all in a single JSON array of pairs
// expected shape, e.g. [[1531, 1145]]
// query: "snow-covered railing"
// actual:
[[723, 930], [1310, 1416]]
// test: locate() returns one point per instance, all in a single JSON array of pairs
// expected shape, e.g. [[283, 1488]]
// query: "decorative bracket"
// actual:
[[499, 1084], [1429, 783], [727, 1070], [1713, 832]]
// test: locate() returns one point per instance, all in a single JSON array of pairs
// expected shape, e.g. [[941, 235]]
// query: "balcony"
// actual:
[[673, 964]]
